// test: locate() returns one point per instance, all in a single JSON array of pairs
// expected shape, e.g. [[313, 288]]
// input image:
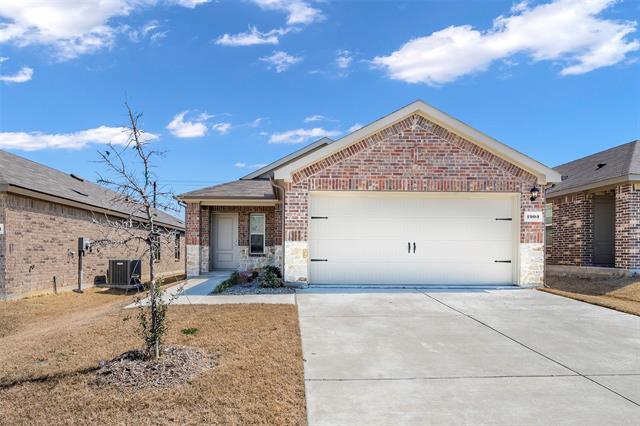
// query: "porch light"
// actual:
[[535, 192]]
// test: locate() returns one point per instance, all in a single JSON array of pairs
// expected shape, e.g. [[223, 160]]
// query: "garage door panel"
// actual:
[[363, 238]]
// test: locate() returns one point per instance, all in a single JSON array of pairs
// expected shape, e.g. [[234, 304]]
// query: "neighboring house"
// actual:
[[593, 214], [416, 197], [44, 211]]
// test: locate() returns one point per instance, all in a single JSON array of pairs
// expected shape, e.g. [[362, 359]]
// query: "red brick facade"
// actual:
[[412, 155], [40, 237], [572, 227]]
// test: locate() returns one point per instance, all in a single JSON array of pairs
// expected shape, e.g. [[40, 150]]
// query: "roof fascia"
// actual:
[[595, 185]]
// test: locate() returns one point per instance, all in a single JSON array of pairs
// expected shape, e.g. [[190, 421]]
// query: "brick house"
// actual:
[[593, 214], [44, 211], [414, 198]]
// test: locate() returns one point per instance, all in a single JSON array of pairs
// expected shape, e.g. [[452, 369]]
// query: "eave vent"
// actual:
[[600, 165], [76, 177]]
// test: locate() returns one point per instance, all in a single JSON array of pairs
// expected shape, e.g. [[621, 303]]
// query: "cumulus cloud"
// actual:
[[281, 61], [298, 12], [252, 37], [301, 135], [182, 128], [569, 32], [33, 141], [190, 3], [344, 59], [72, 28]]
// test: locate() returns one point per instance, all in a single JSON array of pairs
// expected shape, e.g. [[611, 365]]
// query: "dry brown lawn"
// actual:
[[619, 293], [50, 347]]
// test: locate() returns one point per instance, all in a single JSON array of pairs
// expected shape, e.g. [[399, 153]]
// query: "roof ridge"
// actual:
[[634, 158]]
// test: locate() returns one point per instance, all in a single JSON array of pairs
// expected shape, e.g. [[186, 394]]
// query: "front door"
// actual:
[[604, 211], [224, 243]]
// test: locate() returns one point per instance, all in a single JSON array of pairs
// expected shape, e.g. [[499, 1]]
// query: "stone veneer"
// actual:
[[40, 237], [414, 155]]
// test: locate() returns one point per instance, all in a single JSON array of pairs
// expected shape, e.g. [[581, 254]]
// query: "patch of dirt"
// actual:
[[620, 293], [253, 287], [133, 369]]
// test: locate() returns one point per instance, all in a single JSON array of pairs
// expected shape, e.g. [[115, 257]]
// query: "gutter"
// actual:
[[282, 203], [631, 178]]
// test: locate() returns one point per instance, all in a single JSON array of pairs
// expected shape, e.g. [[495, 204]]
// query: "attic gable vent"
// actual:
[[564, 177], [600, 165], [76, 177]]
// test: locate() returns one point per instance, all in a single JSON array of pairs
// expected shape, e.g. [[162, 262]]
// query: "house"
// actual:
[[593, 214], [416, 197], [44, 211]]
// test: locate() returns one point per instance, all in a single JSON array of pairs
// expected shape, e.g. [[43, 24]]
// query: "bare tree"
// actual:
[[130, 174]]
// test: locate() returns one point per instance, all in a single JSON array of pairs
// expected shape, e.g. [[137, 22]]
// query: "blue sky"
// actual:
[[229, 85]]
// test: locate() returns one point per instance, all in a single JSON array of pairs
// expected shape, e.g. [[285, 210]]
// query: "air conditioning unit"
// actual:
[[125, 274]]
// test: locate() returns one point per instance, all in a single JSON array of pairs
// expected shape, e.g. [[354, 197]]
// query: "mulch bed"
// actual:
[[253, 287], [133, 369]]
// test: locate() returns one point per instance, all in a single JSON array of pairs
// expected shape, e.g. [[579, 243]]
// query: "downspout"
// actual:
[[282, 198]]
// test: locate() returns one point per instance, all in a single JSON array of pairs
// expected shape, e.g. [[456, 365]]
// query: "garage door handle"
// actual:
[[502, 261], [409, 248], [414, 247]]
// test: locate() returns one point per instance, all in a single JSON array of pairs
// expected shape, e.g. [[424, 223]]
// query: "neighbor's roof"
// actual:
[[19, 173], [614, 165], [257, 189], [542, 172], [267, 171]]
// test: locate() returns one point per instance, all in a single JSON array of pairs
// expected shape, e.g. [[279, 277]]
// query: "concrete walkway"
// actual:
[[466, 357], [197, 291]]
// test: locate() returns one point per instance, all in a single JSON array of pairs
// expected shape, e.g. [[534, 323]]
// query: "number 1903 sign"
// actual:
[[535, 216]]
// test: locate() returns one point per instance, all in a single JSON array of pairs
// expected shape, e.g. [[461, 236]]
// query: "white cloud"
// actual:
[[355, 127], [255, 123], [344, 59], [190, 3], [315, 117], [242, 165], [301, 135], [21, 76], [150, 30], [568, 32], [32, 141], [3, 58], [186, 129], [252, 37], [71, 27], [281, 61], [222, 128], [298, 11]]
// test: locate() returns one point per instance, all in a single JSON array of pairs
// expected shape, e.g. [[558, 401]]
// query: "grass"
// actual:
[[51, 346], [619, 293]]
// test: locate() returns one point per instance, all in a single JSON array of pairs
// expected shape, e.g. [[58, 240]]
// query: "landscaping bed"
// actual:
[[267, 280], [621, 293], [245, 364]]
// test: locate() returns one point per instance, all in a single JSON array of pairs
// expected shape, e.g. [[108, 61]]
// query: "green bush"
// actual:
[[270, 277]]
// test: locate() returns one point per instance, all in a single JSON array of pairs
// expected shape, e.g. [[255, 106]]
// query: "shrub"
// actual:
[[270, 277], [189, 331]]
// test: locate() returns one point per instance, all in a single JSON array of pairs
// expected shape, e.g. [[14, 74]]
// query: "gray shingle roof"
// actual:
[[617, 162], [23, 173], [237, 190]]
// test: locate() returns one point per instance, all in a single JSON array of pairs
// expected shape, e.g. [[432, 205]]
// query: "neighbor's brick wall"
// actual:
[[572, 231], [627, 235], [2, 246], [39, 236], [413, 155]]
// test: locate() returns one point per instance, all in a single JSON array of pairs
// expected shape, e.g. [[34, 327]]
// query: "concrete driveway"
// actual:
[[391, 357]]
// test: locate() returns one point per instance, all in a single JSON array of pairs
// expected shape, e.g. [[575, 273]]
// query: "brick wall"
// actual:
[[572, 231], [627, 234], [413, 155], [40, 235]]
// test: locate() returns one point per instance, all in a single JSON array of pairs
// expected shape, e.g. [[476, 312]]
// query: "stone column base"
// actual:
[[296, 261], [531, 265]]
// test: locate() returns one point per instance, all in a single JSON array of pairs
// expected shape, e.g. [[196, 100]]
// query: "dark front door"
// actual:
[[604, 213]]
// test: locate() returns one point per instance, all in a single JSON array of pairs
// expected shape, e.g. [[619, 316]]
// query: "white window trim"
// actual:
[[264, 233]]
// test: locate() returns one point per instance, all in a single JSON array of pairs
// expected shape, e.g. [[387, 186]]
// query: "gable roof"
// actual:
[[267, 171], [542, 172], [18, 173], [618, 164], [257, 189]]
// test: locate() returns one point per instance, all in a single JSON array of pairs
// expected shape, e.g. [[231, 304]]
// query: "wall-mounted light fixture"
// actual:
[[535, 192]]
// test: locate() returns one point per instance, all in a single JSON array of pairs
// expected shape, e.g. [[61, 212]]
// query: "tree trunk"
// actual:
[[153, 291]]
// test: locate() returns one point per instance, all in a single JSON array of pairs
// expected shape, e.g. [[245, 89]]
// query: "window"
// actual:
[[176, 253], [256, 232], [548, 225]]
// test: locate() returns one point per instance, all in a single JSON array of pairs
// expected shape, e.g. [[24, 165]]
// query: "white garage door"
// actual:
[[395, 238]]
